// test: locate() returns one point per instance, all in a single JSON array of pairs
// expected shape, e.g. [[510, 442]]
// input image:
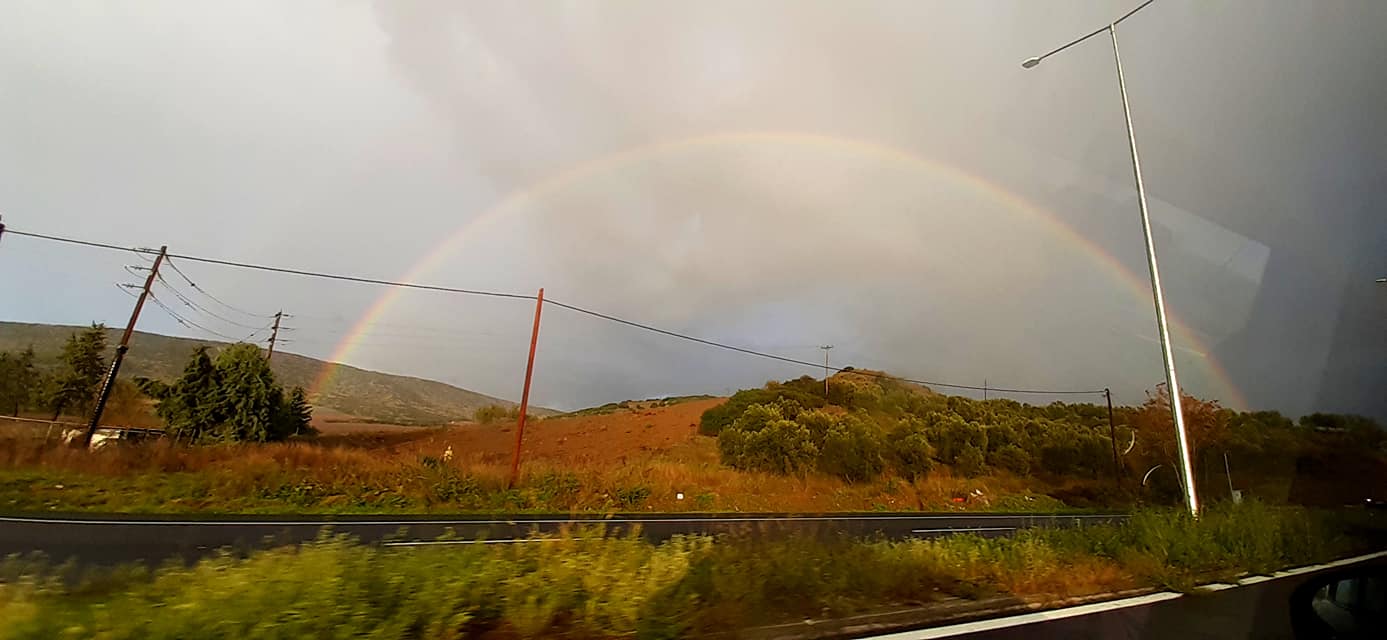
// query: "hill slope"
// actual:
[[358, 392]]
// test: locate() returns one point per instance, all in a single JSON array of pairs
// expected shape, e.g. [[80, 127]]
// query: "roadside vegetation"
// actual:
[[872, 426], [585, 584], [240, 442]]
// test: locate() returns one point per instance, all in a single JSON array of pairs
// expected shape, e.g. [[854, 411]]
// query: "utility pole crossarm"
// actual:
[[274, 334], [826, 347]]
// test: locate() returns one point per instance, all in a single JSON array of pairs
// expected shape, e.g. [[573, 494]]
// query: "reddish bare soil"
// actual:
[[580, 440]]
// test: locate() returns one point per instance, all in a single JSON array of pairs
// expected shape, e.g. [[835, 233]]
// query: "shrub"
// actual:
[[951, 435], [763, 439], [970, 462], [1012, 458], [910, 448], [818, 422], [494, 413], [851, 450], [722, 416]]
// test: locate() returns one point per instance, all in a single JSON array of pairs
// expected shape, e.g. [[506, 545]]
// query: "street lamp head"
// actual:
[[1030, 62]]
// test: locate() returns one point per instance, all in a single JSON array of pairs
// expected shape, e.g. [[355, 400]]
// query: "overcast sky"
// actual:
[[879, 176]]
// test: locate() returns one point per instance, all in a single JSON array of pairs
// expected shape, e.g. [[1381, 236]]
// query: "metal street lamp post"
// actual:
[[1172, 387]]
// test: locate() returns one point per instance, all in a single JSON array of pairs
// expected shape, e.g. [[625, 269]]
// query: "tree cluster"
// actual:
[[232, 398], [72, 387]]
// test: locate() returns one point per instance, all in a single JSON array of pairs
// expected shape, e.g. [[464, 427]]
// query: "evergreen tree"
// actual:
[[234, 398], [82, 368], [20, 383], [253, 402], [192, 406], [300, 413]]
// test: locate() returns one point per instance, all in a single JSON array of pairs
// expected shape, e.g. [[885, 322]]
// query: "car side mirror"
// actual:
[[1350, 604]]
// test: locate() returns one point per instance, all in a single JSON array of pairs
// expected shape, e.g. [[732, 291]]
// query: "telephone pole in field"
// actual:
[[525, 394], [1112, 437], [122, 348], [826, 347], [274, 333]]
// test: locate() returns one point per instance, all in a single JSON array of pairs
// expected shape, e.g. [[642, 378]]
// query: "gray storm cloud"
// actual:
[[881, 176]]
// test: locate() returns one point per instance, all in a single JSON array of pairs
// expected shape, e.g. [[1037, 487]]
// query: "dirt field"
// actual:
[[331, 423], [615, 438]]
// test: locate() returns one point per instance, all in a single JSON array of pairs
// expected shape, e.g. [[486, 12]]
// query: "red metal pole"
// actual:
[[525, 395]]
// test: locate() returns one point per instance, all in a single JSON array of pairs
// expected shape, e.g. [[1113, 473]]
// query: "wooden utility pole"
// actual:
[[525, 395], [1112, 437], [122, 348], [274, 333], [826, 347]]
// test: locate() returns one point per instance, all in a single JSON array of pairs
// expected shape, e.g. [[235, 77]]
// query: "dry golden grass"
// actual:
[[642, 458], [357, 465]]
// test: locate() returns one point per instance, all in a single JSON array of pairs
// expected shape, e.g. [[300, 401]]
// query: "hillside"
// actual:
[[357, 392]]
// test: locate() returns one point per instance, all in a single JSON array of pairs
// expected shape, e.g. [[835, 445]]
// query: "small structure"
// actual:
[[105, 436]]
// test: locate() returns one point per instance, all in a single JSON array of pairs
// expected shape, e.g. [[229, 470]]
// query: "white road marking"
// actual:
[[1028, 618], [963, 530], [401, 523], [1100, 607], [429, 543]]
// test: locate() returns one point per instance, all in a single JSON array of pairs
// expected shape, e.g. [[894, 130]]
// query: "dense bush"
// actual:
[[764, 439], [1012, 458], [851, 450], [720, 417], [780, 437], [913, 430], [910, 449], [970, 462], [493, 413]]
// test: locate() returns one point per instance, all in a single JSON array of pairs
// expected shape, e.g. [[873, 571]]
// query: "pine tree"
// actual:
[[17, 377], [193, 406], [295, 416], [233, 398], [252, 399], [83, 367]]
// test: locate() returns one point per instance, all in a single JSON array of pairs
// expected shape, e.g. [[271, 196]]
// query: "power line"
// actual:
[[271, 269], [193, 325], [806, 363], [215, 299], [199, 308], [521, 296], [125, 289]]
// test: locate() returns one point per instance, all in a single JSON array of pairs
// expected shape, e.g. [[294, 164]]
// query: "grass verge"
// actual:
[[590, 586]]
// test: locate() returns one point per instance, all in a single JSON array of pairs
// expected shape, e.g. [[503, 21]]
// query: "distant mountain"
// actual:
[[365, 394]]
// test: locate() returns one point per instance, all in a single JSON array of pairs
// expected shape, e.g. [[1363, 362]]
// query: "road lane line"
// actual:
[[1028, 618], [1100, 607], [429, 543], [595, 520], [963, 530]]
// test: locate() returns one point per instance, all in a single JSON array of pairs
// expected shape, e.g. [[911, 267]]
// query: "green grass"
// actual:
[[590, 586]]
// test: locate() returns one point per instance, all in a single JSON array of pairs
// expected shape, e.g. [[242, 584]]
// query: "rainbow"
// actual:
[[553, 184]]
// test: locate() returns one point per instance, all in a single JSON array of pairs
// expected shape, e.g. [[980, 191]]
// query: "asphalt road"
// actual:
[[116, 539], [1256, 607]]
